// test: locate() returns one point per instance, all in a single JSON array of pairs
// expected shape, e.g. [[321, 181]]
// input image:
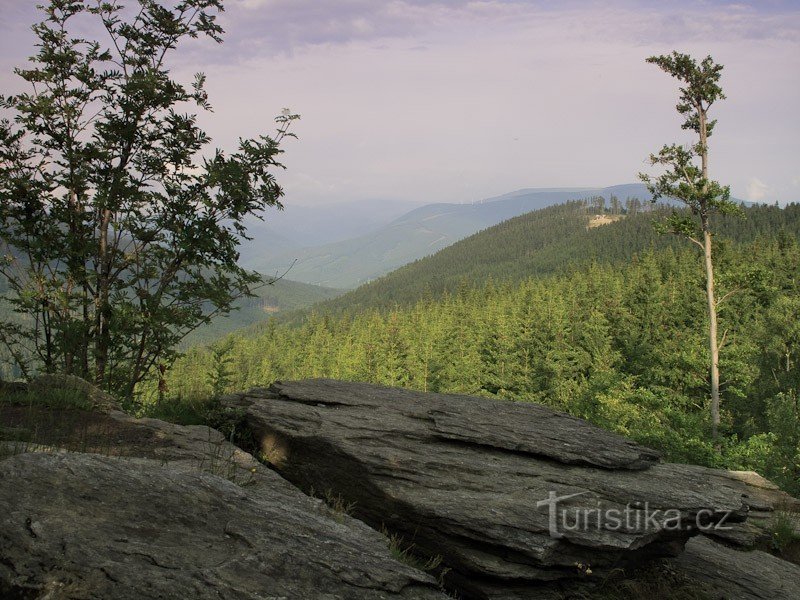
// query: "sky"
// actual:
[[458, 100]]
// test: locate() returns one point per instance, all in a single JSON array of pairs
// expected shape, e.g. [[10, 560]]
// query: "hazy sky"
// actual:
[[459, 100]]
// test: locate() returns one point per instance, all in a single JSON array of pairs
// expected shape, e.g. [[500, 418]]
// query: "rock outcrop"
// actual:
[[140, 508], [470, 480], [763, 499], [739, 575], [510, 500]]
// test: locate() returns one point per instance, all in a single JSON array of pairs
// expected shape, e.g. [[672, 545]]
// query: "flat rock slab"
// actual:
[[90, 526], [464, 478]]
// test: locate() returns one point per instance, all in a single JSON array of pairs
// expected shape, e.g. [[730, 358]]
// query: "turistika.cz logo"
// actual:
[[638, 517]]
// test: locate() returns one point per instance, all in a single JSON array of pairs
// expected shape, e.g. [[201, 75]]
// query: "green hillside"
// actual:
[[280, 297], [550, 240], [623, 345], [422, 232]]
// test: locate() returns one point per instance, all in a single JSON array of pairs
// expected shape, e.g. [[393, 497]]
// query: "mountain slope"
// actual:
[[421, 232], [546, 241], [284, 232], [280, 297]]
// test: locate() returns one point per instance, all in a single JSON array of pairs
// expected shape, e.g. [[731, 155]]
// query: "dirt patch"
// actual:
[[791, 553], [600, 220], [77, 431]]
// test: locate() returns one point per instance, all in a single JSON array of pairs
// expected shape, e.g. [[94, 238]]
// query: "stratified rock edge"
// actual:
[[201, 520], [460, 477]]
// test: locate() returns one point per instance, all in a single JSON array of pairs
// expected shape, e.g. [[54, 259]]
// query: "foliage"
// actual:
[[619, 344], [221, 374], [544, 242], [684, 179], [119, 228], [784, 527]]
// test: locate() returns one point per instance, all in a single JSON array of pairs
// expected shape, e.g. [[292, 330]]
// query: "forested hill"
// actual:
[[280, 296], [421, 232], [542, 242], [623, 346]]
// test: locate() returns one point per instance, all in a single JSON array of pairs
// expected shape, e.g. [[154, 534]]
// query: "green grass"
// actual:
[[62, 399], [784, 538], [406, 553], [179, 411]]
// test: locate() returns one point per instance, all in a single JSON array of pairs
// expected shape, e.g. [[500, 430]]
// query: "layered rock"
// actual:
[[733, 574], [469, 479], [763, 499], [108, 506], [148, 509]]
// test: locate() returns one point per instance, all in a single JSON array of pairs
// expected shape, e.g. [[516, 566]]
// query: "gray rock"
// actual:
[[460, 477], [90, 526], [737, 575], [763, 498]]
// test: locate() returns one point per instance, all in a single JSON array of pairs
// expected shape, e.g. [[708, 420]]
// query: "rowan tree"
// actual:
[[119, 225]]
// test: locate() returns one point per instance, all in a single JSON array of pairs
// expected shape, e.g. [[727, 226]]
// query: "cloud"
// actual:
[[267, 27], [458, 100], [756, 189]]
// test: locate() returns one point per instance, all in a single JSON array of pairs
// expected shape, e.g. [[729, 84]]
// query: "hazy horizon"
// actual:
[[457, 101]]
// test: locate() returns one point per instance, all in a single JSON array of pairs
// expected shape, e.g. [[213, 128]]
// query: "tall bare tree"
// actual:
[[686, 178]]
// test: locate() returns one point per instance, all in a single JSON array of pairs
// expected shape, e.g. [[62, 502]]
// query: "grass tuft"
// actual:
[[405, 553]]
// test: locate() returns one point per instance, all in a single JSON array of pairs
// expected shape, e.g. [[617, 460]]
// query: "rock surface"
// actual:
[[102, 505], [738, 575], [763, 498], [460, 477], [178, 512]]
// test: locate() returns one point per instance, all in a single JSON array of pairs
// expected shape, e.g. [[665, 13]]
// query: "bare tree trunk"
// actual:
[[712, 334], [710, 294]]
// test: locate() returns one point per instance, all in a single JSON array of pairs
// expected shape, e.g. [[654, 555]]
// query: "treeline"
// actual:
[[622, 346]]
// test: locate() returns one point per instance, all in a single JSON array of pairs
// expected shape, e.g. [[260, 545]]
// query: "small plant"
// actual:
[[221, 461], [335, 502], [338, 504], [783, 530], [404, 553]]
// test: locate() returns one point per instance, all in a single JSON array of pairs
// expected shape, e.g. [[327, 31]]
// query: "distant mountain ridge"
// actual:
[[421, 232], [551, 240]]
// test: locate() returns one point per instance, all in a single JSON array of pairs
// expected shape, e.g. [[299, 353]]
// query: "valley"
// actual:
[[320, 313], [418, 233]]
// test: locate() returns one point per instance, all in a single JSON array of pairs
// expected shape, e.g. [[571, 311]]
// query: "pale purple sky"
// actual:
[[457, 100]]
